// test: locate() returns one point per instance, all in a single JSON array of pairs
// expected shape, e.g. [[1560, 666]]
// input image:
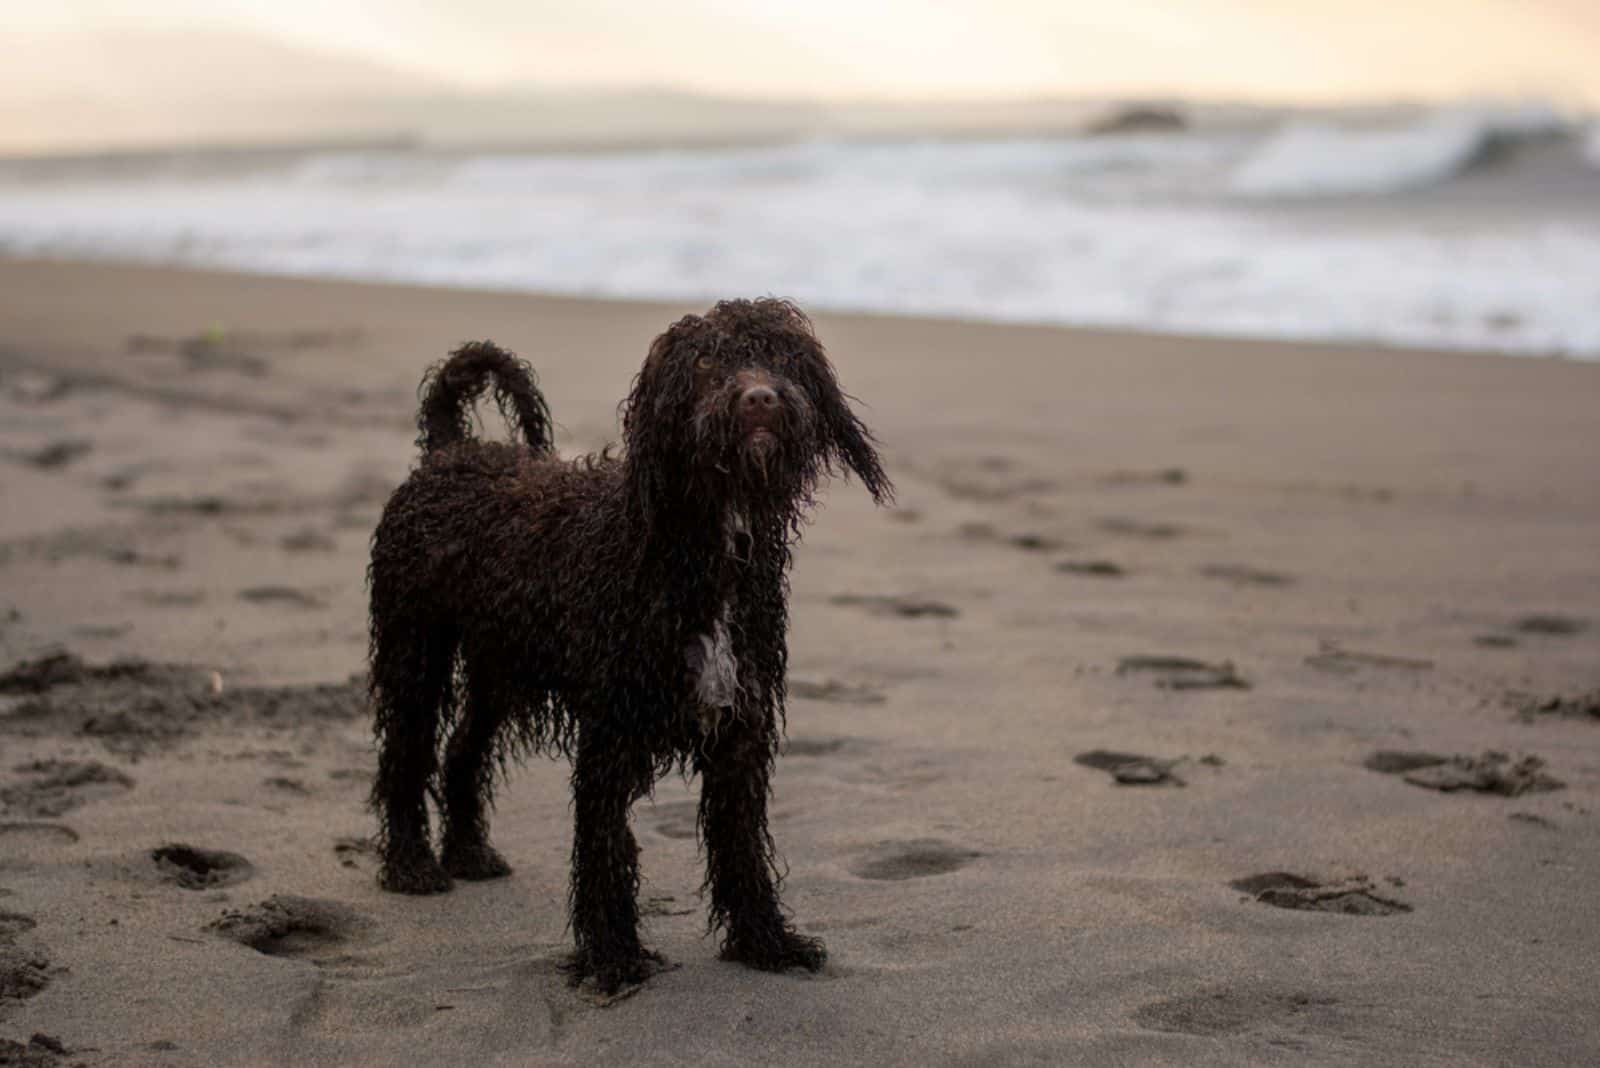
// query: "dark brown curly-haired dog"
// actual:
[[628, 612]]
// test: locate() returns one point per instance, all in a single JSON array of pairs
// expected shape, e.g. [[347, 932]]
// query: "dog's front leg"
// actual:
[[608, 774], [735, 767]]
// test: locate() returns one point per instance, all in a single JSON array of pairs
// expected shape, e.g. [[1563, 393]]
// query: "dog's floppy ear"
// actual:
[[845, 439], [851, 444], [666, 378], [654, 440]]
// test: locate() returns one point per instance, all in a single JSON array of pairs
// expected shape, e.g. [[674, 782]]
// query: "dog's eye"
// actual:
[[703, 363]]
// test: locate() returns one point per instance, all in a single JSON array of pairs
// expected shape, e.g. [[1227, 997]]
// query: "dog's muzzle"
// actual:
[[760, 414]]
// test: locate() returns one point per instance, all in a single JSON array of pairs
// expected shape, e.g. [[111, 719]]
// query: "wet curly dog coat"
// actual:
[[626, 611]]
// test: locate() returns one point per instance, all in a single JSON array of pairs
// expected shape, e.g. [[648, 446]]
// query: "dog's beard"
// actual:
[[760, 453], [766, 468]]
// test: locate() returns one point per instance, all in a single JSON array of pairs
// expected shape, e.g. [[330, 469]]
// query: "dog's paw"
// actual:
[[414, 874], [776, 951], [610, 974], [475, 861]]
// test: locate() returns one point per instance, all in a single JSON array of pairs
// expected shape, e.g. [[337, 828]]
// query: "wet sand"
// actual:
[[1201, 702]]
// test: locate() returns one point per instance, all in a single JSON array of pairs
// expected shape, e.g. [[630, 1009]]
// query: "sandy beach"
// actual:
[[1129, 736]]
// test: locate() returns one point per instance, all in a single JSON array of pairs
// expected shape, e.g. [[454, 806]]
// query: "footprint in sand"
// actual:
[[662, 905], [66, 669], [816, 747], [353, 851], [1184, 673], [1550, 625], [1132, 769], [1035, 543], [1227, 1012], [1140, 528], [290, 926], [915, 859], [37, 831], [131, 706], [1356, 896], [1535, 819], [1244, 575], [308, 540], [42, 1051], [24, 969], [168, 598], [200, 869], [55, 455], [1491, 773], [1584, 707], [676, 819], [124, 556], [905, 606], [834, 691], [1162, 476], [52, 787], [1027, 541], [1335, 658], [13, 924], [1091, 568], [288, 596], [989, 479]]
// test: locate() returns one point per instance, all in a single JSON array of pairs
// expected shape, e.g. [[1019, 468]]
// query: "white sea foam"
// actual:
[[1135, 232], [1320, 159]]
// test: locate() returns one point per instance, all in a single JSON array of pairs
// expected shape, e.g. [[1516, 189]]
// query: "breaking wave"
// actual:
[[1320, 159]]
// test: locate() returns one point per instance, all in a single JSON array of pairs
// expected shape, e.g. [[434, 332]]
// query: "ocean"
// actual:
[[1466, 228]]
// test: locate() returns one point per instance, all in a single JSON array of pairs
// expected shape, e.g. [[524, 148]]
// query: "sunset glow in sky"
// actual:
[[1278, 49]]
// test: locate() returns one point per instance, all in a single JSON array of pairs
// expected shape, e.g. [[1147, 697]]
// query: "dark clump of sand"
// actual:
[[1092, 568], [48, 788], [1355, 896], [40, 1051], [132, 706], [906, 606], [1491, 773], [1131, 769], [1184, 673], [24, 965], [834, 691], [1583, 706]]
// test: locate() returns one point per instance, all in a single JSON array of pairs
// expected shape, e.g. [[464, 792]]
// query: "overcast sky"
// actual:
[[1300, 49]]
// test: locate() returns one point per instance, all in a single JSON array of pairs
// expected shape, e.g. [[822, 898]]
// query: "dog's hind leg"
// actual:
[[469, 781], [735, 767], [412, 667], [609, 774]]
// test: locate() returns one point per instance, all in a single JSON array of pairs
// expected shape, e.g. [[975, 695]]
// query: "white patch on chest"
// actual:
[[718, 681], [711, 657]]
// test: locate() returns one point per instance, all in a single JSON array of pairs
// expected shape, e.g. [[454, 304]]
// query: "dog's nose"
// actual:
[[758, 400]]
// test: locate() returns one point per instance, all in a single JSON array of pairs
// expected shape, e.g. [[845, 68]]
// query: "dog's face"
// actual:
[[742, 403]]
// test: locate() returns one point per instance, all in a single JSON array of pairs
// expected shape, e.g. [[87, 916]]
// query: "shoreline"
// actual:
[[1101, 332]]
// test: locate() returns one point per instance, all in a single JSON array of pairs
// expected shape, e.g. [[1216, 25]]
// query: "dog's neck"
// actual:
[[697, 526]]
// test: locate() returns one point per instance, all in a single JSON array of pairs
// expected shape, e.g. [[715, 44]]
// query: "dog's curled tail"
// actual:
[[450, 386]]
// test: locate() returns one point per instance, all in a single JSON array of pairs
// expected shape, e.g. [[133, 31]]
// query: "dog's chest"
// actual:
[[716, 666], [713, 662]]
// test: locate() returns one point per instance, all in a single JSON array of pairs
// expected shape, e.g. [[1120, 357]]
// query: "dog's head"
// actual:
[[742, 405]]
